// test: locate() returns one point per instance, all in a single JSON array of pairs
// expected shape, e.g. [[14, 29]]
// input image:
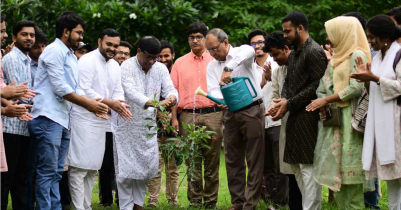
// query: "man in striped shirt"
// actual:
[[16, 66]]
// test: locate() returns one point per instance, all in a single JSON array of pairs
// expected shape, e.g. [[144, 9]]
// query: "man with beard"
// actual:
[[188, 73], [4, 34], [56, 88], [123, 52], [136, 154], [82, 49], [278, 48], [306, 65], [87, 131], [167, 54], [16, 66], [166, 57], [244, 129], [106, 172]]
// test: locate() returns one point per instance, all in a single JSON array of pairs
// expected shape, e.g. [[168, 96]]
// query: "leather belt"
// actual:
[[203, 110], [255, 103]]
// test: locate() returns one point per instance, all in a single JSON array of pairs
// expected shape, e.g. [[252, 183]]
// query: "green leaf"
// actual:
[[148, 136]]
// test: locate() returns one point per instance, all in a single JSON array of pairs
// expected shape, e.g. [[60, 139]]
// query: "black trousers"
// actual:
[[14, 181], [295, 198], [276, 182], [107, 174], [65, 197]]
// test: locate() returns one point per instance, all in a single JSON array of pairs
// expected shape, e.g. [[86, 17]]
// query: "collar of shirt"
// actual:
[[268, 59], [99, 55], [33, 63], [63, 47], [298, 50], [192, 54], [21, 55], [231, 53]]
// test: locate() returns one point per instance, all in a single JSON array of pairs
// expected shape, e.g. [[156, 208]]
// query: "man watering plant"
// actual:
[[244, 128]]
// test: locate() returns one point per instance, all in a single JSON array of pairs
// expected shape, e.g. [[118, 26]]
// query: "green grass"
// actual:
[[224, 199]]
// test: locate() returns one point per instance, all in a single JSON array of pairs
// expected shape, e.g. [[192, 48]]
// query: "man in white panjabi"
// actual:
[[136, 157], [100, 78]]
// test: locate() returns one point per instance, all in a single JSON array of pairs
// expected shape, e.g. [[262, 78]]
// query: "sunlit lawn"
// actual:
[[224, 199]]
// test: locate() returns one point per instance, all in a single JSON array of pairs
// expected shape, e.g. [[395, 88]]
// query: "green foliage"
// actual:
[[168, 19]]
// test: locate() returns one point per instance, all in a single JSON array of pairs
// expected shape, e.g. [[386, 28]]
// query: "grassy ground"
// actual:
[[224, 199]]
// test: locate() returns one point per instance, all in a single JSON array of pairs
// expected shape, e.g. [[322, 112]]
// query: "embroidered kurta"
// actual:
[[306, 66], [135, 155], [98, 78], [338, 151]]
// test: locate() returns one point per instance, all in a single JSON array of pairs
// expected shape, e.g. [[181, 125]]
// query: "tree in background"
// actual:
[[168, 19]]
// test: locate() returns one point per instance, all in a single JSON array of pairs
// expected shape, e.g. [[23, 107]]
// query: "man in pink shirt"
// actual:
[[188, 73]]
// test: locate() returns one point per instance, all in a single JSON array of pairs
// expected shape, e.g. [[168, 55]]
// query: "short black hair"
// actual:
[[20, 24], [397, 17], [297, 18], [167, 44], [68, 20], [149, 44], [393, 11], [40, 36], [126, 44], [197, 27], [383, 27], [109, 32], [3, 17], [275, 40], [255, 33], [359, 16]]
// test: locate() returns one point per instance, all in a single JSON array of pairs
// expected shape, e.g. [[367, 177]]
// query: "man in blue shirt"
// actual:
[[56, 88], [16, 66]]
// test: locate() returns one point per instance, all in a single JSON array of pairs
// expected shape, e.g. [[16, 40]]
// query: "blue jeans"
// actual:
[[372, 198], [53, 141], [33, 152]]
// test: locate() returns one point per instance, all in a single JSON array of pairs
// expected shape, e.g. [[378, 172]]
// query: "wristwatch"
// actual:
[[226, 69]]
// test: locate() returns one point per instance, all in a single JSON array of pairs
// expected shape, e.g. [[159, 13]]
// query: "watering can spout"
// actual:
[[199, 91]]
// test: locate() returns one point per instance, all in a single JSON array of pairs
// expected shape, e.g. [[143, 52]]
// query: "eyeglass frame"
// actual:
[[198, 38], [123, 53], [260, 42], [151, 58], [214, 50]]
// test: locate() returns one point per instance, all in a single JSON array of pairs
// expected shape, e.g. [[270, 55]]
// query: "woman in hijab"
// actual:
[[337, 161], [381, 155]]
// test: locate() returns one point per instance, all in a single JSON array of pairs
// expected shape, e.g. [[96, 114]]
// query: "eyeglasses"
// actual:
[[149, 57], [257, 43], [192, 38], [123, 53], [214, 49]]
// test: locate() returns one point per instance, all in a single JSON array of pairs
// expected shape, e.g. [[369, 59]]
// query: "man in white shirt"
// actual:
[[275, 186], [99, 77], [244, 129]]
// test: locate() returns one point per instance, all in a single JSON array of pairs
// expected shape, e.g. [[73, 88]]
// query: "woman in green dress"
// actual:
[[337, 160]]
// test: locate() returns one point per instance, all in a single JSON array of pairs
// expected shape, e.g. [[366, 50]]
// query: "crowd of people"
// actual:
[[321, 116]]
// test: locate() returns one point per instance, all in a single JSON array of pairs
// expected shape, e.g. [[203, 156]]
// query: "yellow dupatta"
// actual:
[[347, 35]]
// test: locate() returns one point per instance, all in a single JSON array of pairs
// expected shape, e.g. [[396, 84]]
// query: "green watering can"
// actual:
[[236, 94]]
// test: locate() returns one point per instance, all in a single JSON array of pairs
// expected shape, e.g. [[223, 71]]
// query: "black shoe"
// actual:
[[151, 206]]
